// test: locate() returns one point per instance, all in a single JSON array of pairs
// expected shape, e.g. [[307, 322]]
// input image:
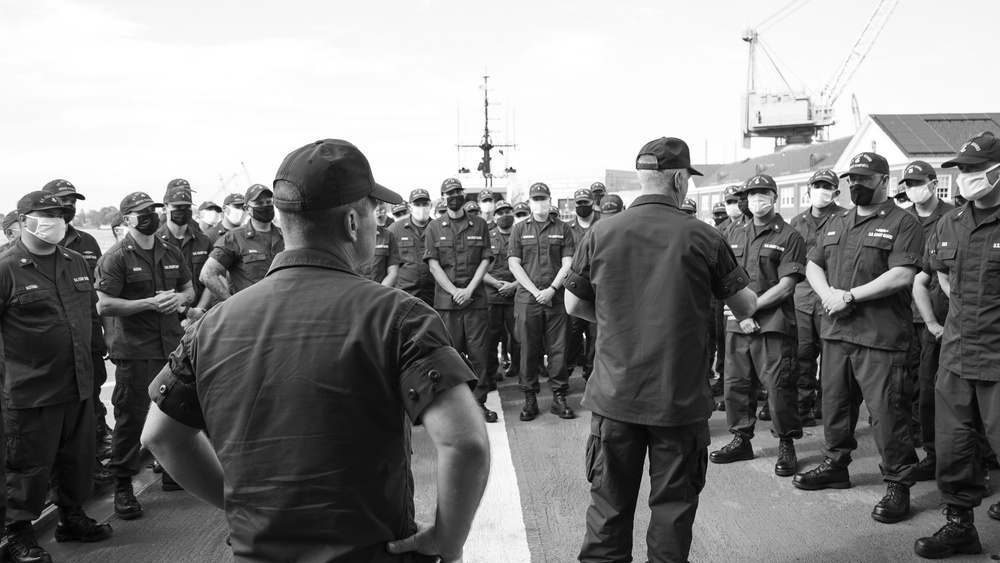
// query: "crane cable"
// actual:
[[767, 23]]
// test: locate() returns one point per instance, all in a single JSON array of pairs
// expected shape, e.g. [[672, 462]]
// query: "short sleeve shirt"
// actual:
[[125, 272], [500, 267], [46, 328], [810, 228], [855, 250], [309, 409], [939, 301], [195, 247], [414, 275], [247, 254], [386, 254], [970, 255], [541, 246], [85, 245], [459, 246], [654, 271], [769, 253], [579, 230]]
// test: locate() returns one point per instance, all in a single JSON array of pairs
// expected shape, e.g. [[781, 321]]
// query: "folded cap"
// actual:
[[472, 206], [671, 154], [400, 208], [583, 195], [9, 219], [209, 205], [611, 204], [731, 193], [539, 188], [179, 183], [419, 194], [521, 207], [598, 187], [719, 208], [38, 201], [178, 196], [761, 181], [137, 201], [234, 199], [689, 205], [866, 164], [919, 171], [982, 148], [450, 184], [60, 188], [326, 174], [254, 191], [487, 194], [503, 204], [825, 175]]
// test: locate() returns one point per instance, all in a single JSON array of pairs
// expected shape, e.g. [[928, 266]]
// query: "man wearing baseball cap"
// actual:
[[440, 208], [598, 191], [734, 215], [233, 215], [46, 316], [862, 270], [719, 215], [11, 230], [414, 275], [194, 245], [963, 252], [487, 203], [242, 256], [399, 211], [581, 333], [382, 215], [823, 190], [145, 282], [651, 400], [318, 388], [209, 215], [521, 211], [611, 205], [383, 268], [690, 207], [501, 286], [540, 251]]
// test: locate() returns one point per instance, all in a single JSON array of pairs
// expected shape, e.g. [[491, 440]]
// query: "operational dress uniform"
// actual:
[[582, 334], [233, 204], [386, 254], [414, 274], [501, 308], [247, 254], [194, 245], [808, 307]]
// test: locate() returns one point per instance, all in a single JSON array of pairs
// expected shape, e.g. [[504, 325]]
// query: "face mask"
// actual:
[[210, 217], [47, 229], [733, 210], [180, 216], [919, 194], [719, 220], [759, 204], [487, 207], [68, 217], [120, 232], [975, 185], [505, 221], [420, 214], [904, 204], [147, 224], [820, 198], [456, 202], [742, 204], [539, 207], [234, 215], [520, 219], [264, 213], [584, 210]]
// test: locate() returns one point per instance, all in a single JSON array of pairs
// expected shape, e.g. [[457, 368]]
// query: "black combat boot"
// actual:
[[488, 415], [168, 484], [22, 547], [994, 511], [825, 476], [75, 525], [958, 535], [924, 470], [895, 505], [765, 412], [126, 505], [787, 463], [739, 449], [560, 407], [530, 410]]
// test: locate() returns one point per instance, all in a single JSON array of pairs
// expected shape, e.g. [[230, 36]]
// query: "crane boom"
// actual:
[[858, 52]]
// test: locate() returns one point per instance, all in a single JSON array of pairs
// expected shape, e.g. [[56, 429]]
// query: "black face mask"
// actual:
[[862, 195], [598, 196], [455, 202], [505, 221], [584, 210], [180, 216], [744, 209], [719, 220], [70, 214], [264, 213], [148, 223]]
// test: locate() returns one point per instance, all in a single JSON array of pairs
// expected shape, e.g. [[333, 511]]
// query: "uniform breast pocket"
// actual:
[[382, 250], [830, 244], [475, 249], [172, 277], [769, 260], [445, 251], [991, 277], [37, 302], [874, 258], [408, 249], [138, 285], [255, 264], [529, 249]]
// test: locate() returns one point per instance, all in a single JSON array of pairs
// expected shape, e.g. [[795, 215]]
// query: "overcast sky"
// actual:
[[123, 96]]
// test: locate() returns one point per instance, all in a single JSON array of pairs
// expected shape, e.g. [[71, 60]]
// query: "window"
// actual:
[[787, 197], [804, 196], [892, 184], [716, 198], [944, 187]]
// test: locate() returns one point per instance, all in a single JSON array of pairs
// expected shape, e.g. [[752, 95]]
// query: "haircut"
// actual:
[[657, 180], [319, 224]]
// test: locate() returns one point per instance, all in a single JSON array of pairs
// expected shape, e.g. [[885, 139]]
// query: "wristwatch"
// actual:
[[848, 297]]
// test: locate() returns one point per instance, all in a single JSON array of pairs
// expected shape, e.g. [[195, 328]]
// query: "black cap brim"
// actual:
[[694, 172], [383, 193], [143, 206], [964, 160], [859, 172], [65, 193]]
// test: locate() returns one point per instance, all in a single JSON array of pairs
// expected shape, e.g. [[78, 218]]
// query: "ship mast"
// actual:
[[487, 143]]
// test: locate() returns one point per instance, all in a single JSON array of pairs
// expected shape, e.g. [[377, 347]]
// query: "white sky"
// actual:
[[123, 96]]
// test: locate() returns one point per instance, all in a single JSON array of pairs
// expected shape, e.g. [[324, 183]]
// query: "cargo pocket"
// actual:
[[595, 453], [900, 383]]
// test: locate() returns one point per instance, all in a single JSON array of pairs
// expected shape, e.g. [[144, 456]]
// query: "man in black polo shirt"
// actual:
[[144, 282], [320, 471], [965, 252], [862, 269], [648, 392], [46, 315], [414, 274]]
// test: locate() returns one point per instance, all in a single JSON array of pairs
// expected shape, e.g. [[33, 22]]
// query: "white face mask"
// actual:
[[420, 214], [974, 185], [733, 210], [234, 215], [904, 204], [521, 219], [47, 229], [487, 207], [759, 204], [539, 207], [209, 216], [820, 198], [919, 194]]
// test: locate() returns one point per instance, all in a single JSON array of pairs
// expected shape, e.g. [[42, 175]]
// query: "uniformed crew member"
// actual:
[[414, 275], [458, 255], [719, 215], [930, 307], [761, 350], [521, 212], [209, 215], [472, 208], [501, 286], [233, 216], [11, 229], [400, 210], [440, 208], [194, 245], [862, 269], [244, 255], [823, 190], [582, 334], [338, 433], [145, 282], [383, 268], [650, 399], [382, 216], [730, 197], [179, 184], [540, 252], [965, 254], [598, 191], [611, 205], [689, 206], [487, 204], [46, 316]]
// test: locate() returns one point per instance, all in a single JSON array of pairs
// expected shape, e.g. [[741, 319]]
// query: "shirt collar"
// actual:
[[297, 257], [25, 257], [659, 199], [882, 211], [776, 225]]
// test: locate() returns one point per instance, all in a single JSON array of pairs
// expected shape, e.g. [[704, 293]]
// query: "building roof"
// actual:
[[935, 134], [791, 159]]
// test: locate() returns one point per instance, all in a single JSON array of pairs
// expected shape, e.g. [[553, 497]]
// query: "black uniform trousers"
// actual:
[[761, 360], [48, 446], [130, 400], [678, 464], [582, 341], [966, 409], [100, 378], [808, 325], [501, 329], [913, 370], [542, 330], [853, 373], [930, 355], [469, 329]]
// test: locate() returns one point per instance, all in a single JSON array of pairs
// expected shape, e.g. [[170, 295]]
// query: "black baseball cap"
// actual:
[[719, 208], [178, 196], [39, 200], [472, 206], [179, 183], [977, 150], [611, 204], [400, 208], [254, 191], [731, 193], [598, 187], [761, 181], [327, 174], [670, 152], [137, 201], [866, 164], [487, 194], [9, 219], [234, 199], [450, 184], [441, 205], [503, 204], [209, 205], [919, 171], [825, 175], [689, 205], [60, 188], [583, 194], [521, 207], [419, 193], [539, 188]]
